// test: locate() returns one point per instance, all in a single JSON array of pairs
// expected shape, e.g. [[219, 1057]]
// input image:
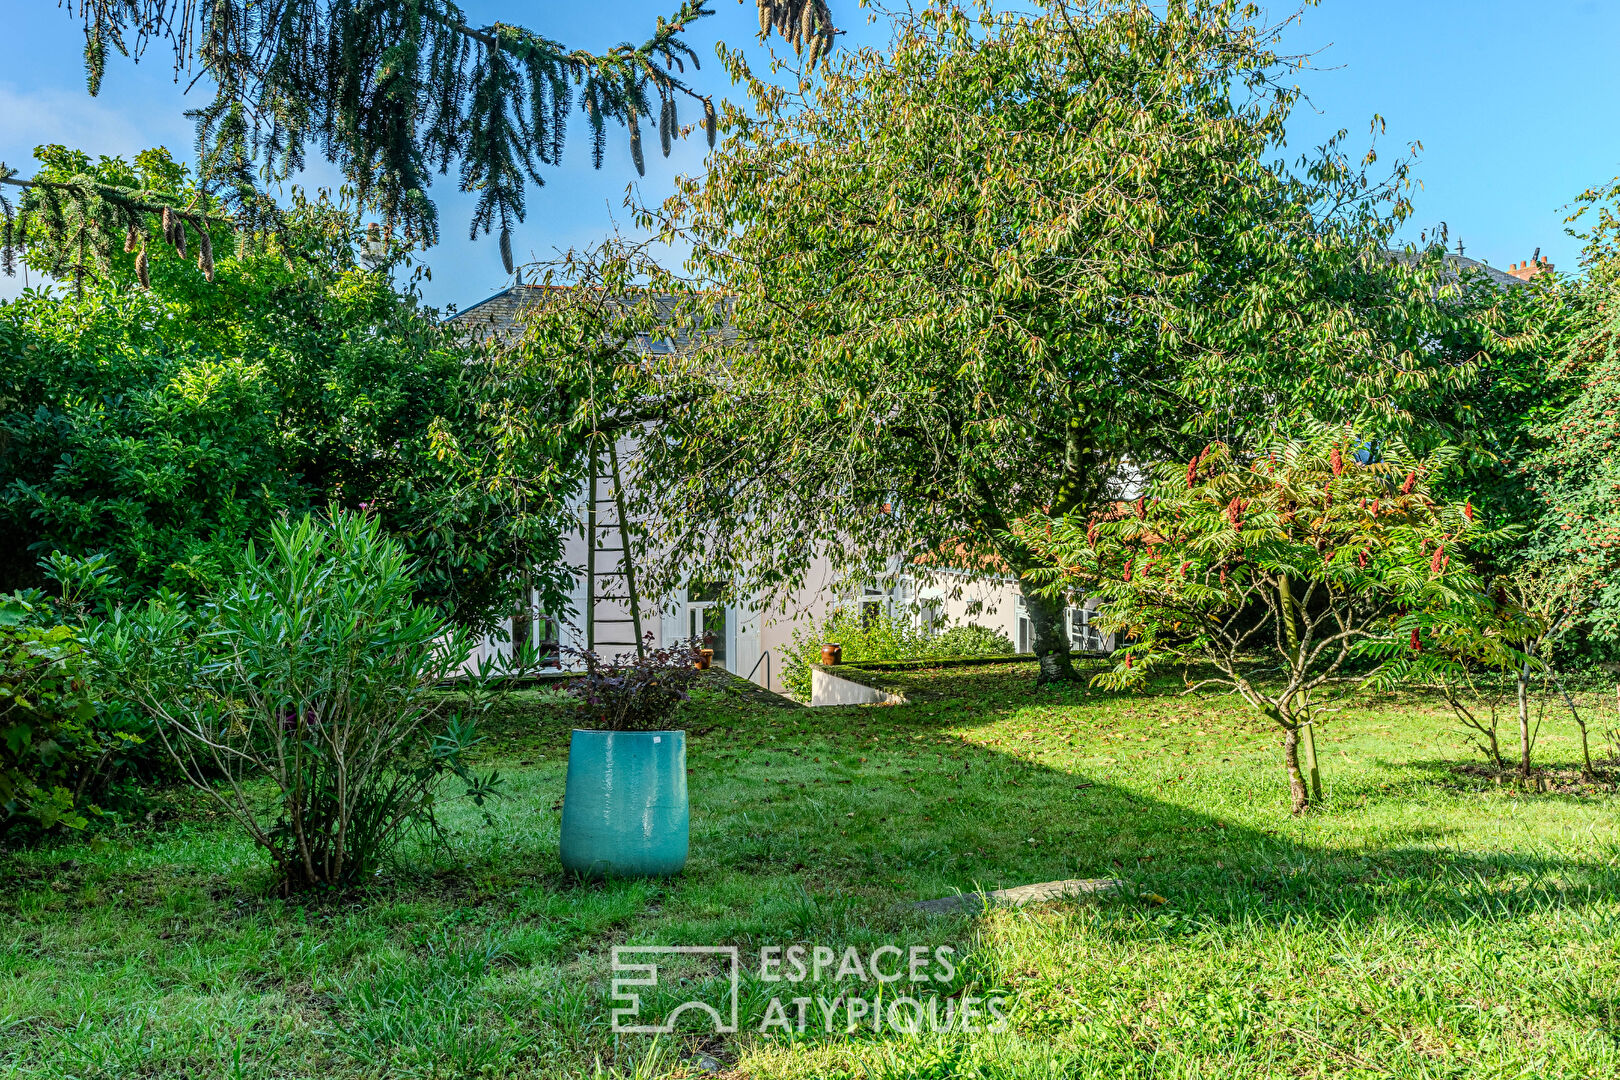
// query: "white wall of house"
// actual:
[[752, 639]]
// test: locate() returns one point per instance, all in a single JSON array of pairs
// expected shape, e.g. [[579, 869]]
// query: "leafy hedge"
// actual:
[[883, 638], [60, 747]]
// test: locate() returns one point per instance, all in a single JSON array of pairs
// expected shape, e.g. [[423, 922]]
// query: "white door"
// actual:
[[746, 643]]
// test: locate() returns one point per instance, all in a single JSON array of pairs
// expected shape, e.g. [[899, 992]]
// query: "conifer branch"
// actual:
[[393, 90], [84, 220]]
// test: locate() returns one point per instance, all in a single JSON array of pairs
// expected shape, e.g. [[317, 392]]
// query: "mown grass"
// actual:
[[1425, 924]]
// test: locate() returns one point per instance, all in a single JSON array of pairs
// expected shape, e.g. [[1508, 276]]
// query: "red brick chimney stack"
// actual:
[[1526, 270]]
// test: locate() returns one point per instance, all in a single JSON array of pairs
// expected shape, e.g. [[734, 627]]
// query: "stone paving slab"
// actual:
[[1024, 894]]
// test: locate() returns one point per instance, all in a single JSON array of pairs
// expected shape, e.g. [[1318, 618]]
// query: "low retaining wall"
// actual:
[[827, 688]]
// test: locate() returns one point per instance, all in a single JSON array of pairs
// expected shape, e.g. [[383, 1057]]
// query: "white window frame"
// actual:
[[1083, 637]]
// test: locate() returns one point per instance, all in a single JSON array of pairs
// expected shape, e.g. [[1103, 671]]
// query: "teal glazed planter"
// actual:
[[625, 812]]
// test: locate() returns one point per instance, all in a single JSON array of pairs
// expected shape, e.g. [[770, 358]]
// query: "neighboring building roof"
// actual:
[[501, 316], [1463, 263], [1460, 264]]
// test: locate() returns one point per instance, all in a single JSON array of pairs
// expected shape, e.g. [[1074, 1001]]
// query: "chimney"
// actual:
[[1530, 268]]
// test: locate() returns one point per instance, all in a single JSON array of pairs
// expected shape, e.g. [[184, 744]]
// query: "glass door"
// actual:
[[706, 622]]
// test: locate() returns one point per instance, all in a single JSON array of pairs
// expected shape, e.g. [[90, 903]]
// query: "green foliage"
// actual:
[[971, 639], [881, 636], [60, 747], [1575, 471], [1498, 337], [166, 427], [1276, 569], [393, 90], [313, 674], [79, 219], [980, 274]]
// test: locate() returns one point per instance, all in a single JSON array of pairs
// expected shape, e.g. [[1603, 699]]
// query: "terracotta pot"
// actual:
[[832, 653], [705, 658]]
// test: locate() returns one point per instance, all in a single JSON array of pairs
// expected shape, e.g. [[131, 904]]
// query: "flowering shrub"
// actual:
[[306, 700], [634, 694], [1280, 566]]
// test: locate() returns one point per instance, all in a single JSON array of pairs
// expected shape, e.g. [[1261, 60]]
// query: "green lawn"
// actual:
[[1426, 924]]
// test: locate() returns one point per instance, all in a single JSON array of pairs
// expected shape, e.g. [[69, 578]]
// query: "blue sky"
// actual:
[[1514, 103]]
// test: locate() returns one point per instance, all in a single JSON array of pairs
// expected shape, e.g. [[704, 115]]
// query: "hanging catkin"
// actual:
[[709, 121], [143, 272], [129, 239], [506, 248], [666, 125]]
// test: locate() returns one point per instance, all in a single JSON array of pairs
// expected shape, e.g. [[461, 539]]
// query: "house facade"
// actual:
[[748, 639]]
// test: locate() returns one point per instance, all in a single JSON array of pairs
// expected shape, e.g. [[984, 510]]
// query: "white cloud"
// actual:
[[96, 125]]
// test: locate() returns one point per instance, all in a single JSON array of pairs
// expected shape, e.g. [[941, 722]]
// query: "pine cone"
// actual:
[[205, 254]]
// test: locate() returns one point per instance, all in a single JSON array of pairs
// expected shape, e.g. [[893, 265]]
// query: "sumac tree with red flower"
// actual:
[[1337, 546]]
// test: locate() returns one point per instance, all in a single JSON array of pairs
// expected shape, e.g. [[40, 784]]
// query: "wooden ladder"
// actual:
[[598, 537]]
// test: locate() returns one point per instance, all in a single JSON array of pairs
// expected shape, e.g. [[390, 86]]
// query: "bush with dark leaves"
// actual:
[[637, 693]]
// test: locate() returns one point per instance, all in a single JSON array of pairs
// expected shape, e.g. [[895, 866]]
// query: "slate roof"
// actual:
[[500, 316], [1501, 277], [1460, 264]]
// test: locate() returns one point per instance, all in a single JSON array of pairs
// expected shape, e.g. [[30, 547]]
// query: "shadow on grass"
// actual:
[[808, 825]]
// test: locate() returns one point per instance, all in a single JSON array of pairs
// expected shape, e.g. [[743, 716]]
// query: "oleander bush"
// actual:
[[306, 700]]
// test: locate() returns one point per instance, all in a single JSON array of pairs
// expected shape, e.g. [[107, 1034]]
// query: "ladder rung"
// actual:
[[599, 622]]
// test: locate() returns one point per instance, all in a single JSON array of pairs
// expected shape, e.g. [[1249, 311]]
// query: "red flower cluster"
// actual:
[[1417, 642], [1234, 511], [1337, 461], [1411, 482]]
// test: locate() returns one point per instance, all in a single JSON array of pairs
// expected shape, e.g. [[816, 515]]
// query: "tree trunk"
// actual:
[[1051, 637], [1285, 594], [1297, 790], [1524, 720]]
